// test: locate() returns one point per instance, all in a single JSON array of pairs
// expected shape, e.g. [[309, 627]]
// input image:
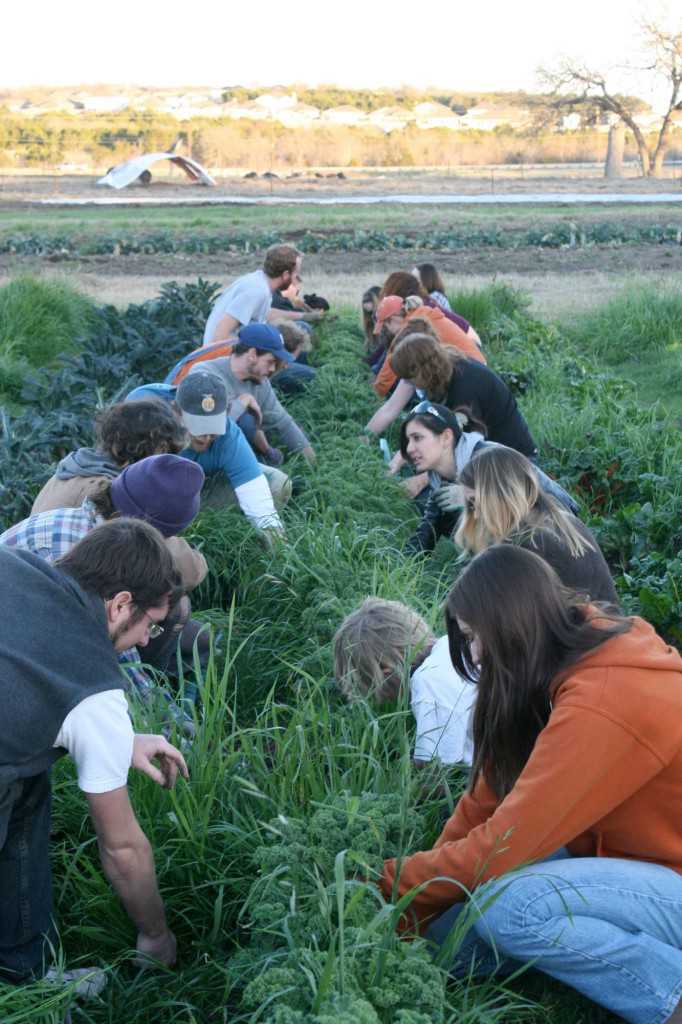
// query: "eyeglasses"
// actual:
[[470, 505], [155, 630]]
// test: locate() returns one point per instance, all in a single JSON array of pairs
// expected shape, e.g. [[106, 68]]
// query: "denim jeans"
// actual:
[[609, 928], [25, 878]]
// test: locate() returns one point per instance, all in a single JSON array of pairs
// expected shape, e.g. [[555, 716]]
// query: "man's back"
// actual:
[[246, 300]]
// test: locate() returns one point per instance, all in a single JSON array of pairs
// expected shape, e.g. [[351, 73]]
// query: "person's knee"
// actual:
[[504, 910], [279, 484]]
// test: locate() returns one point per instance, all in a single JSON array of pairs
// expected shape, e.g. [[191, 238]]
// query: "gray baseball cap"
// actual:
[[202, 399]]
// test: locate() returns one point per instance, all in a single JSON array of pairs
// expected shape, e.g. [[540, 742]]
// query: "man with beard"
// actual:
[[246, 375]]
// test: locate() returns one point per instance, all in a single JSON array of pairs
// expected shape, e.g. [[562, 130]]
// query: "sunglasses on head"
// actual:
[[426, 409]]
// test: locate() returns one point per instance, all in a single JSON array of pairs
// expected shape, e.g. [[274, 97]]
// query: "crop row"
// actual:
[[170, 242]]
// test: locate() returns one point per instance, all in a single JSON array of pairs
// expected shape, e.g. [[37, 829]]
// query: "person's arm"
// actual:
[[384, 416], [189, 562], [225, 330], [256, 502], [427, 533], [583, 765], [275, 417], [128, 863], [288, 314]]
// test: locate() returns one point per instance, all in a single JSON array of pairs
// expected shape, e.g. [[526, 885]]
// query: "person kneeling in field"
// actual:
[[63, 693], [384, 644], [245, 375], [124, 434], [433, 441], [162, 490], [503, 501], [217, 443], [294, 378], [567, 843]]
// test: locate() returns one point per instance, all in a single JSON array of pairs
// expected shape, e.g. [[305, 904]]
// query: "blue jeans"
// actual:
[[609, 928], [25, 878]]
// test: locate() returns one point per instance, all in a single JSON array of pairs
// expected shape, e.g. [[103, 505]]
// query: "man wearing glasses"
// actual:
[[64, 693]]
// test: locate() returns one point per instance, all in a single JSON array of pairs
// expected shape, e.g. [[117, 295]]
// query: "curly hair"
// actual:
[[421, 359], [130, 431], [376, 645]]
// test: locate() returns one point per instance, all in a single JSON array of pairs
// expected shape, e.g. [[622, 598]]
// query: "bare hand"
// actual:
[[146, 748], [414, 485], [161, 949], [396, 464], [249, 402]]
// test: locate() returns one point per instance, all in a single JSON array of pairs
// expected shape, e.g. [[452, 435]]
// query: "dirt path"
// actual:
[[559, 281]]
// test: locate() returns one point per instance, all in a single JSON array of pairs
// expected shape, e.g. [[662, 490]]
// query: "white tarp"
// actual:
[[124, 174]]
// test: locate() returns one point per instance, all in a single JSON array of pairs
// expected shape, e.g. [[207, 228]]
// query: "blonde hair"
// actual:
[[374, 647], [509, 503]]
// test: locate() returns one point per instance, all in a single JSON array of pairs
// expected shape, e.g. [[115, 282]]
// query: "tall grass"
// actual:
[[641, 324], [276, 747], [40, 320]]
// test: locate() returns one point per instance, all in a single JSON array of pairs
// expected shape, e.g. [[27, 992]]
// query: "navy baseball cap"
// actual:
[[265, 337]]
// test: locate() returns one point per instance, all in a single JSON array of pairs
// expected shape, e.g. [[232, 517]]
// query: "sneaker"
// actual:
[[89, 981]]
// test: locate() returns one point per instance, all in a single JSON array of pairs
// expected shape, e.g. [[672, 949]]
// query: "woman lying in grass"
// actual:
[[384, 643], [578, 773], [433, 441], [503, 501]]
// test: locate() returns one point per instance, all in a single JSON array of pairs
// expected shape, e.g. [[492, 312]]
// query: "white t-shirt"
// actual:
[[442, 703], [98, 735], [248, 299]]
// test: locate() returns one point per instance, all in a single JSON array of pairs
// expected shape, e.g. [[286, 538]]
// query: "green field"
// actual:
[[295, 798]]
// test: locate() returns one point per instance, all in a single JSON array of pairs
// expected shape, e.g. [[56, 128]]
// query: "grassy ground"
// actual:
[[86, 222], [275, 746]]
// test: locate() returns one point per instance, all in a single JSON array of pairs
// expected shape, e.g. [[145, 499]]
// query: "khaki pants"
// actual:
[[218, 493]]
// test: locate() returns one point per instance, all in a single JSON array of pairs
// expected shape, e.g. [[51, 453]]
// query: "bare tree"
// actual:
[[574, 84]]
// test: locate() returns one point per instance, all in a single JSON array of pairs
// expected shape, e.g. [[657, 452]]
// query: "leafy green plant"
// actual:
[[41, 320]]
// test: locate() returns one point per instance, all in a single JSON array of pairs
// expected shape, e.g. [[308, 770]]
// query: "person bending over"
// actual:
[[404, 285], [567, 844], [219, 446], [245, 375], [383, 646], [503, 501], [124, 434], [433, 441], [444, 376], [432, 283], [63, 693], [293, 378], [163, 490], [249, 298]]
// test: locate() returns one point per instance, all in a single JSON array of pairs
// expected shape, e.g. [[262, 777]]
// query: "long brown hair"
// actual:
[[428, 364], [368, 320], [530, 628], [402, 284], [509, 504], [430, 278]]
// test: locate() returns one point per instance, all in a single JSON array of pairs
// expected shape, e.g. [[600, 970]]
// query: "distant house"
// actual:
[[238, 110], [390, 119], [299, 116], [486, 119], [571, 122], [274, 102], [343, 115], [101, 104], [435, 115]]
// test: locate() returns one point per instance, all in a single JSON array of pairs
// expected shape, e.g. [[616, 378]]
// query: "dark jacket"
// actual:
[[435, 523]]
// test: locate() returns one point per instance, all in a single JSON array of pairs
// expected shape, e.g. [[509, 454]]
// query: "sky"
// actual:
[[477, 46]]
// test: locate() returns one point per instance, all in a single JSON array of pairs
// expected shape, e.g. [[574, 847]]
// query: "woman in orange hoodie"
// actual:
[[577, 767], [396, 318]]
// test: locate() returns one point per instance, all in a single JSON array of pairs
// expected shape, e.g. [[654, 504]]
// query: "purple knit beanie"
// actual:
[[162, 489]]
